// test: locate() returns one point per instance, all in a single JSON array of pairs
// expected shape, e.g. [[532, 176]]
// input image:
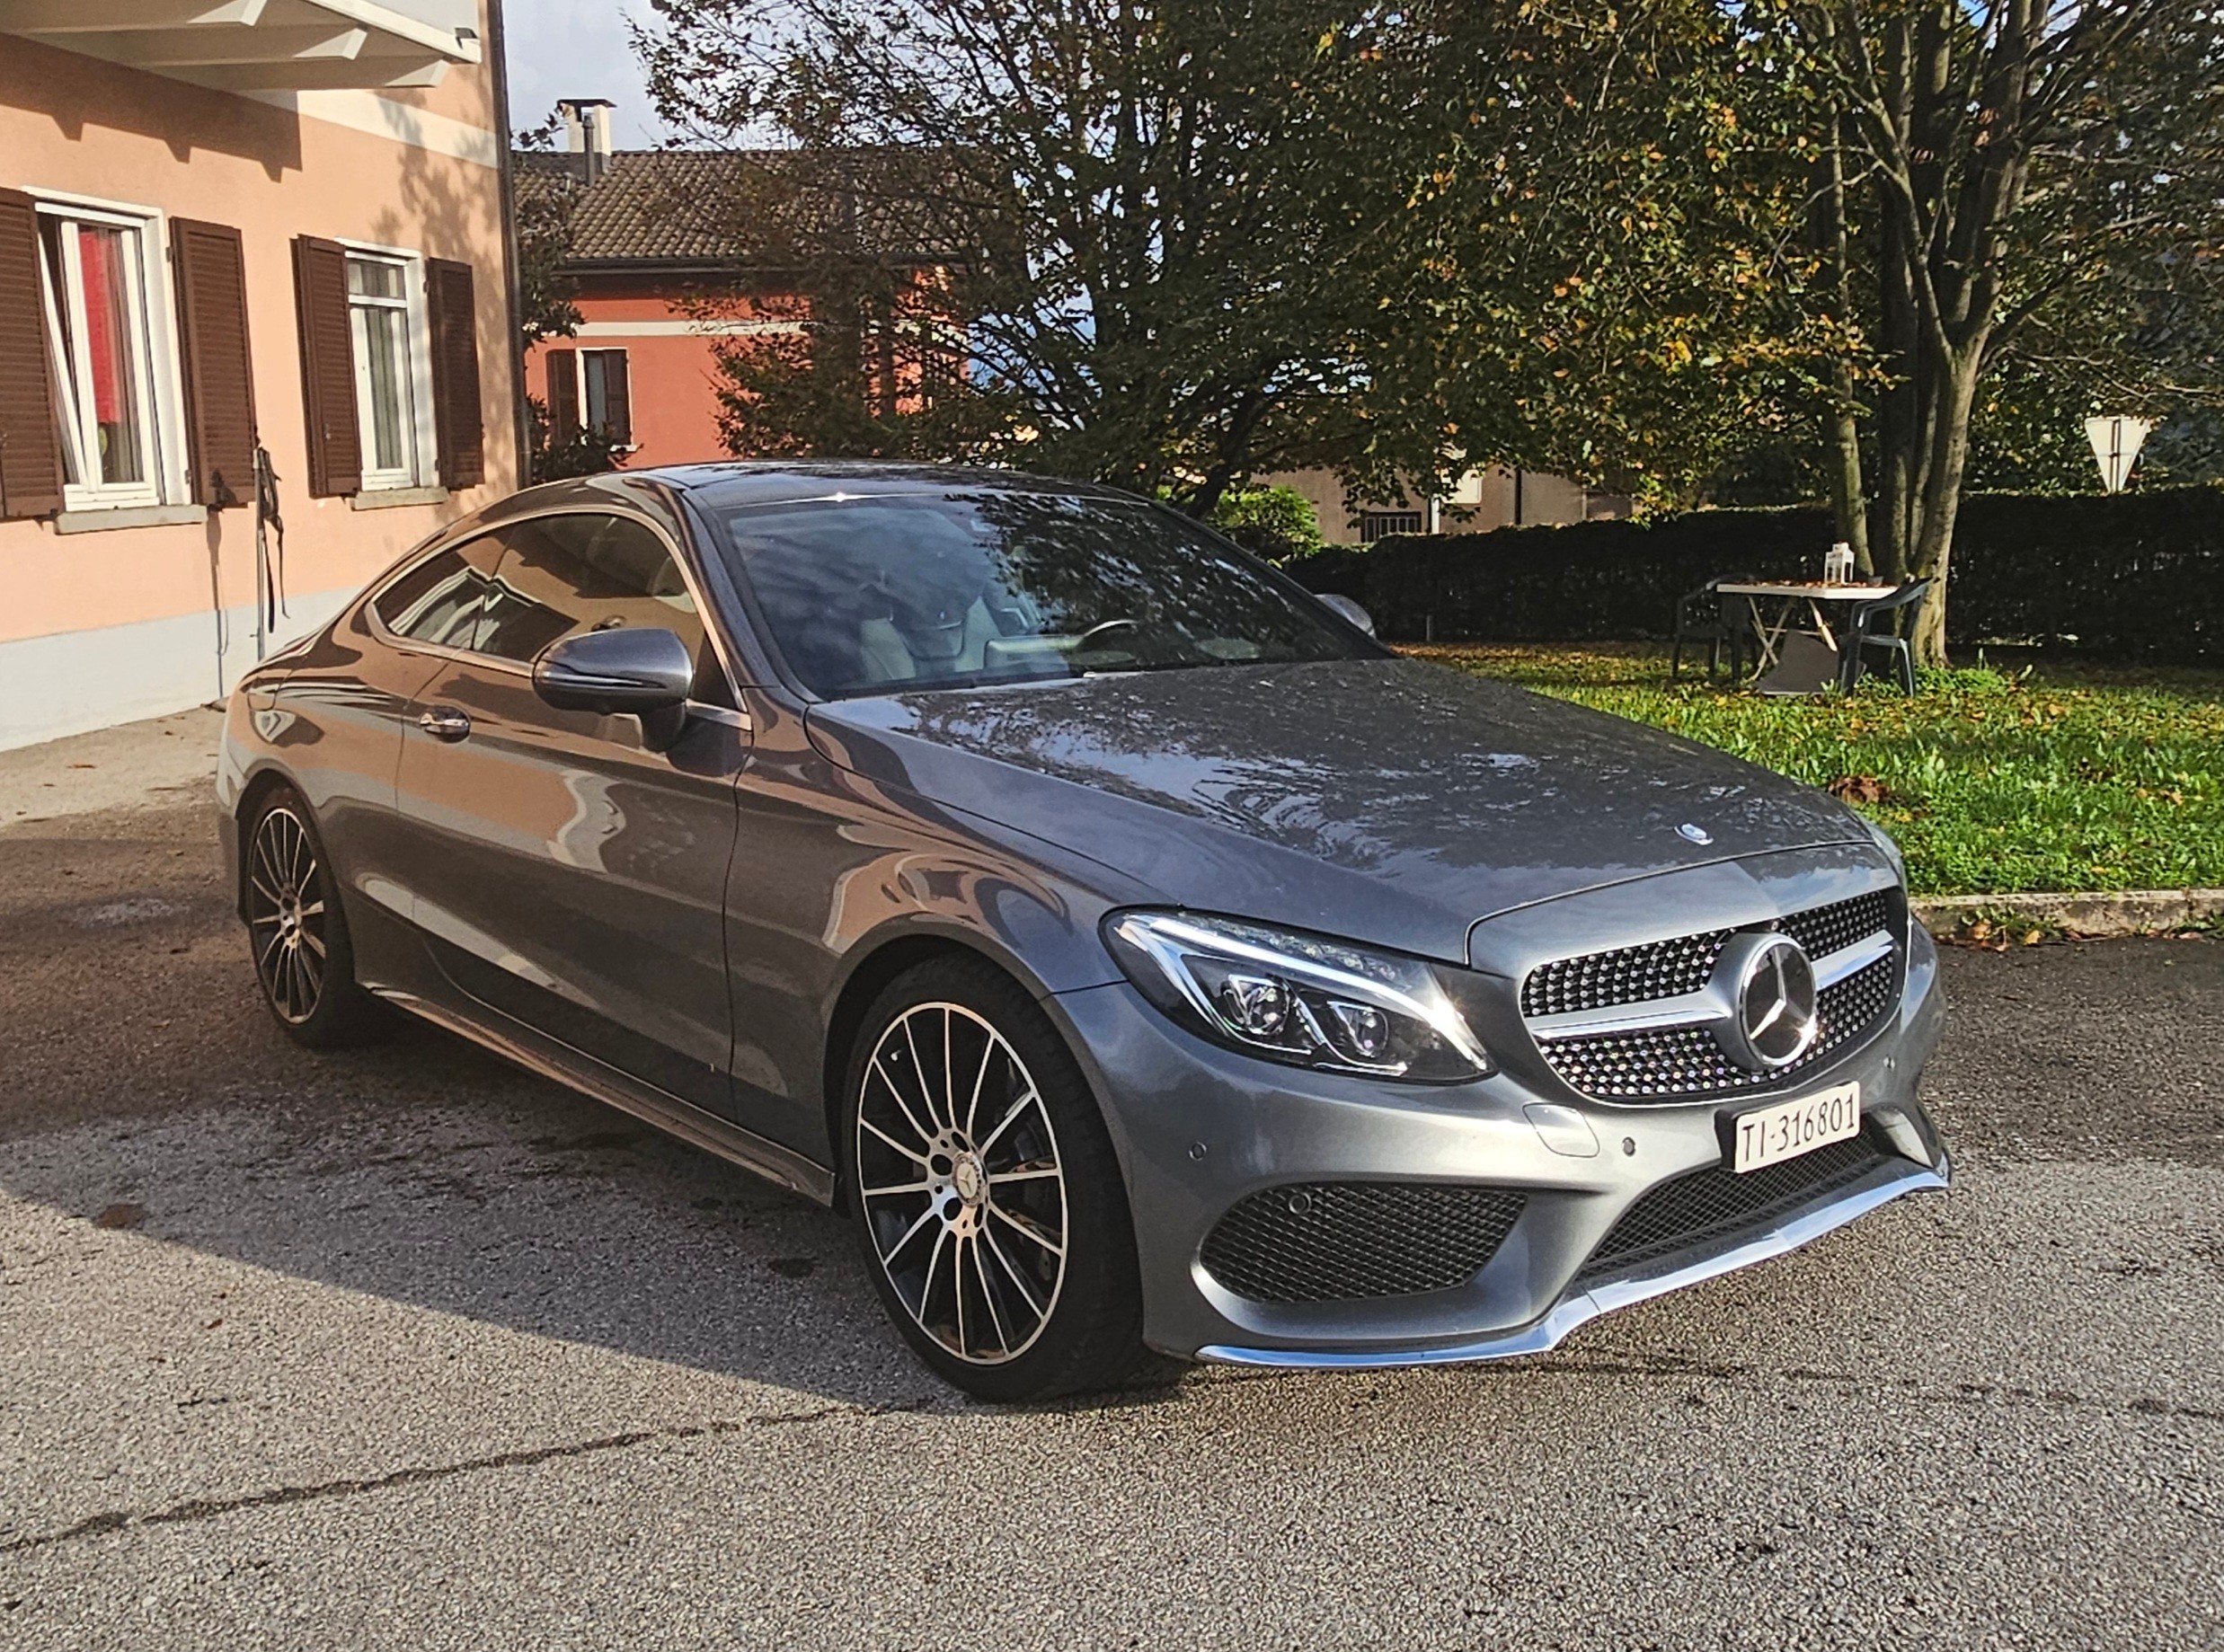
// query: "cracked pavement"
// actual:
[[407, 1348]]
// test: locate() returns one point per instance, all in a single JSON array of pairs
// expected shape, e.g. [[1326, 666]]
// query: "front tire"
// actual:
[[296, 933], [989, 1201]]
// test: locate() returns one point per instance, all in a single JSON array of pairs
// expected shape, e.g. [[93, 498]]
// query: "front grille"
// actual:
[[1716, 1204], [1685, 1062], [1631, 975], [1342, 1241], [1825, 930]]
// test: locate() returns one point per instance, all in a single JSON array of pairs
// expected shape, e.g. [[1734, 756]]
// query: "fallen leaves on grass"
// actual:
[[2058, 776]]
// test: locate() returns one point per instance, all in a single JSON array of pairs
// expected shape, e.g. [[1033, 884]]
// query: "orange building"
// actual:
[[674, 252], [242, 242]]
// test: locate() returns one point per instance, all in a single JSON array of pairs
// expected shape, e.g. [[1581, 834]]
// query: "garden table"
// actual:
[[1786, 598]]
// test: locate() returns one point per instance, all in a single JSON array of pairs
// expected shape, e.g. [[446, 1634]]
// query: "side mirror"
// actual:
[[626, 669], [1350, 612]]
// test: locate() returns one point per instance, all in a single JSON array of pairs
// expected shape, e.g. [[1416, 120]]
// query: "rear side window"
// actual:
[[443, 599], [583, 571]]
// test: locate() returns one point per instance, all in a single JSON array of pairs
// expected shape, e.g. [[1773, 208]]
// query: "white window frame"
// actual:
[[579, 379], [424, 458], [1376, 523], [153, 333]]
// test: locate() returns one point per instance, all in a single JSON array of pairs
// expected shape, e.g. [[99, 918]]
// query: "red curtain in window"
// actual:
[[96, 259]]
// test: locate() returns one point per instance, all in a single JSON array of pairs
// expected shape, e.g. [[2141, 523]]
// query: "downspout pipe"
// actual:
[[514, 299]]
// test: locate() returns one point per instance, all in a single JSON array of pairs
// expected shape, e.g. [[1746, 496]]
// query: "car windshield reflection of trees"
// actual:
[[890, 595]]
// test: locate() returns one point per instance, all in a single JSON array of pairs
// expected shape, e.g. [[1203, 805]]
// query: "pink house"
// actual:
[[253, 279]]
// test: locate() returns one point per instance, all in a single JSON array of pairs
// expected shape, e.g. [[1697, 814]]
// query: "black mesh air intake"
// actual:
[[1343, 1240], [1715, 1205]]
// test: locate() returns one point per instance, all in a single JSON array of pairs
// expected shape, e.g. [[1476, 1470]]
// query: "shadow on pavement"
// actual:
[[141, 1071]]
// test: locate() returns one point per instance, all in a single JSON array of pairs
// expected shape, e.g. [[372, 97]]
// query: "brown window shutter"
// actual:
[[564, 394], [619, 394], [327, 367], [31, 459], [219, 371], [458, 425]]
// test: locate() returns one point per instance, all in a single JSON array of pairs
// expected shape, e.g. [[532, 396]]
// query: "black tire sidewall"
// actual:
[[1095, 1335]]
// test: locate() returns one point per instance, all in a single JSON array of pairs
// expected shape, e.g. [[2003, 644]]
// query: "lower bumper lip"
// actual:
[[1580, 1308]]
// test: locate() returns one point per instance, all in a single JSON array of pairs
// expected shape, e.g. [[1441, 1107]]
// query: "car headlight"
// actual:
[[1301, 999], [1883, 840]]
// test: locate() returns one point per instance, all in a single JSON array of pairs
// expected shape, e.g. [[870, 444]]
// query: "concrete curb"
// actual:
[[2129, 912]]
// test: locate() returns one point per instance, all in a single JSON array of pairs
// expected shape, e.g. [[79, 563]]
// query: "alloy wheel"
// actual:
[[285, 914], [959, 1174]]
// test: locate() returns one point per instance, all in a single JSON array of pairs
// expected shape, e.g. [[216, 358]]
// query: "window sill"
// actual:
[[389, 498], [100, 520]]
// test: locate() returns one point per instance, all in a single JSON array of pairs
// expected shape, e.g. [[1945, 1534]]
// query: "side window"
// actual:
[[585, 571], [443, 599]]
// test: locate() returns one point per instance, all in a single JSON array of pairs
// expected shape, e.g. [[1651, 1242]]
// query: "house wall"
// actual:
[[670, 367], [1483, 500], [100, 626]]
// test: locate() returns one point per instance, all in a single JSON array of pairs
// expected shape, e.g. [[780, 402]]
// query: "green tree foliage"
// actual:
[[1227, 236], [1274, 522], [1587, 269], [1159, 294], [541, 209], [2019, 218]]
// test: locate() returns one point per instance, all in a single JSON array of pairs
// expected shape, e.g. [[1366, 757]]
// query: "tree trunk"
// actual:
[[1848, 501], [1899, 416], [1942, 497]]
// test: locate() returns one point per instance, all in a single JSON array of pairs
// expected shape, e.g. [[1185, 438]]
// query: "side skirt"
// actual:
[[669, 1113]]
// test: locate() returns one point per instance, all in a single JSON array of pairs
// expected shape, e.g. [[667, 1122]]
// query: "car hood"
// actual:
[[1391, 800]]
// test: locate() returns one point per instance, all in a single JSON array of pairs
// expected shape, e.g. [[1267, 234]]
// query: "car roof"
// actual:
[[730, 482]]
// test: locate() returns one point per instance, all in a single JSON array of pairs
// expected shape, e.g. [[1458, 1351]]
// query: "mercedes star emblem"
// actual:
[[1772, 1000]]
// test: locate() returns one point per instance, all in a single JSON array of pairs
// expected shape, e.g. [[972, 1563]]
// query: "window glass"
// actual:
[[379, 314], [931, 590], [442, 599], [604, 403], [584, 571], [92, 279]]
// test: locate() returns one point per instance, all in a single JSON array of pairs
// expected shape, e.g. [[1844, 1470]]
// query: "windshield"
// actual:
[[863, 596]]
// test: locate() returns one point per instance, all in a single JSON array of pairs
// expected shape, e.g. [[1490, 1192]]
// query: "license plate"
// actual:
[[1770, 1134]]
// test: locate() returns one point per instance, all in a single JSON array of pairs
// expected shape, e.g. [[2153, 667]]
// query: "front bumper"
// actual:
[[1200, 1127]]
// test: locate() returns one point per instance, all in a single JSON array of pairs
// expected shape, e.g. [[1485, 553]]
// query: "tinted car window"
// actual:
[[583, 571], [441, 600], [929, 590]]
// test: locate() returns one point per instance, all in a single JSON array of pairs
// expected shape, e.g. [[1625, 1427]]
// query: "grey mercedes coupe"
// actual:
[[1139, 953]]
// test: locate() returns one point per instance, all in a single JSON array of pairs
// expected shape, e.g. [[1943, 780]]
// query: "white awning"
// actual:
[[258, 45]]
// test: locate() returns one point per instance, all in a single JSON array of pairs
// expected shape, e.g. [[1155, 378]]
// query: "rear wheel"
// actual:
[[296, 933], [990, 1205]]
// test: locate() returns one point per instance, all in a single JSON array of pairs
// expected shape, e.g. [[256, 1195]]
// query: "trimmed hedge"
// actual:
[[2135, 576]]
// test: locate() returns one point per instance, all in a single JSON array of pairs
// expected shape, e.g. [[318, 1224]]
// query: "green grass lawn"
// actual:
[[1994, 781]]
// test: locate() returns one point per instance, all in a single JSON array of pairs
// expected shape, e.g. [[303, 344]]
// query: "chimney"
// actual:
[[586, 133]]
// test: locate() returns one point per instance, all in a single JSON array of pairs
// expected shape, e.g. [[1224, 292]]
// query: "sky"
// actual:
[[578, 49]]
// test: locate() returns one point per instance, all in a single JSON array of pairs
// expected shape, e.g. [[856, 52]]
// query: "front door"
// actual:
[[563, 873]]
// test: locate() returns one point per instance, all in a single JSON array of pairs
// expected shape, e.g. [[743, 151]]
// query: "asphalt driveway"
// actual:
[[405, 1348]]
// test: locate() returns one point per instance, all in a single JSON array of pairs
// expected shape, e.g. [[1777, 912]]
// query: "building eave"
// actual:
[[252, 45]]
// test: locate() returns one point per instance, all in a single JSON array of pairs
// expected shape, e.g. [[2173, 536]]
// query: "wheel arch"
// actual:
[[259, 787]]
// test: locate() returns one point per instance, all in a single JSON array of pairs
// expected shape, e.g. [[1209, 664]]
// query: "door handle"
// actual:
[[445, 722]]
